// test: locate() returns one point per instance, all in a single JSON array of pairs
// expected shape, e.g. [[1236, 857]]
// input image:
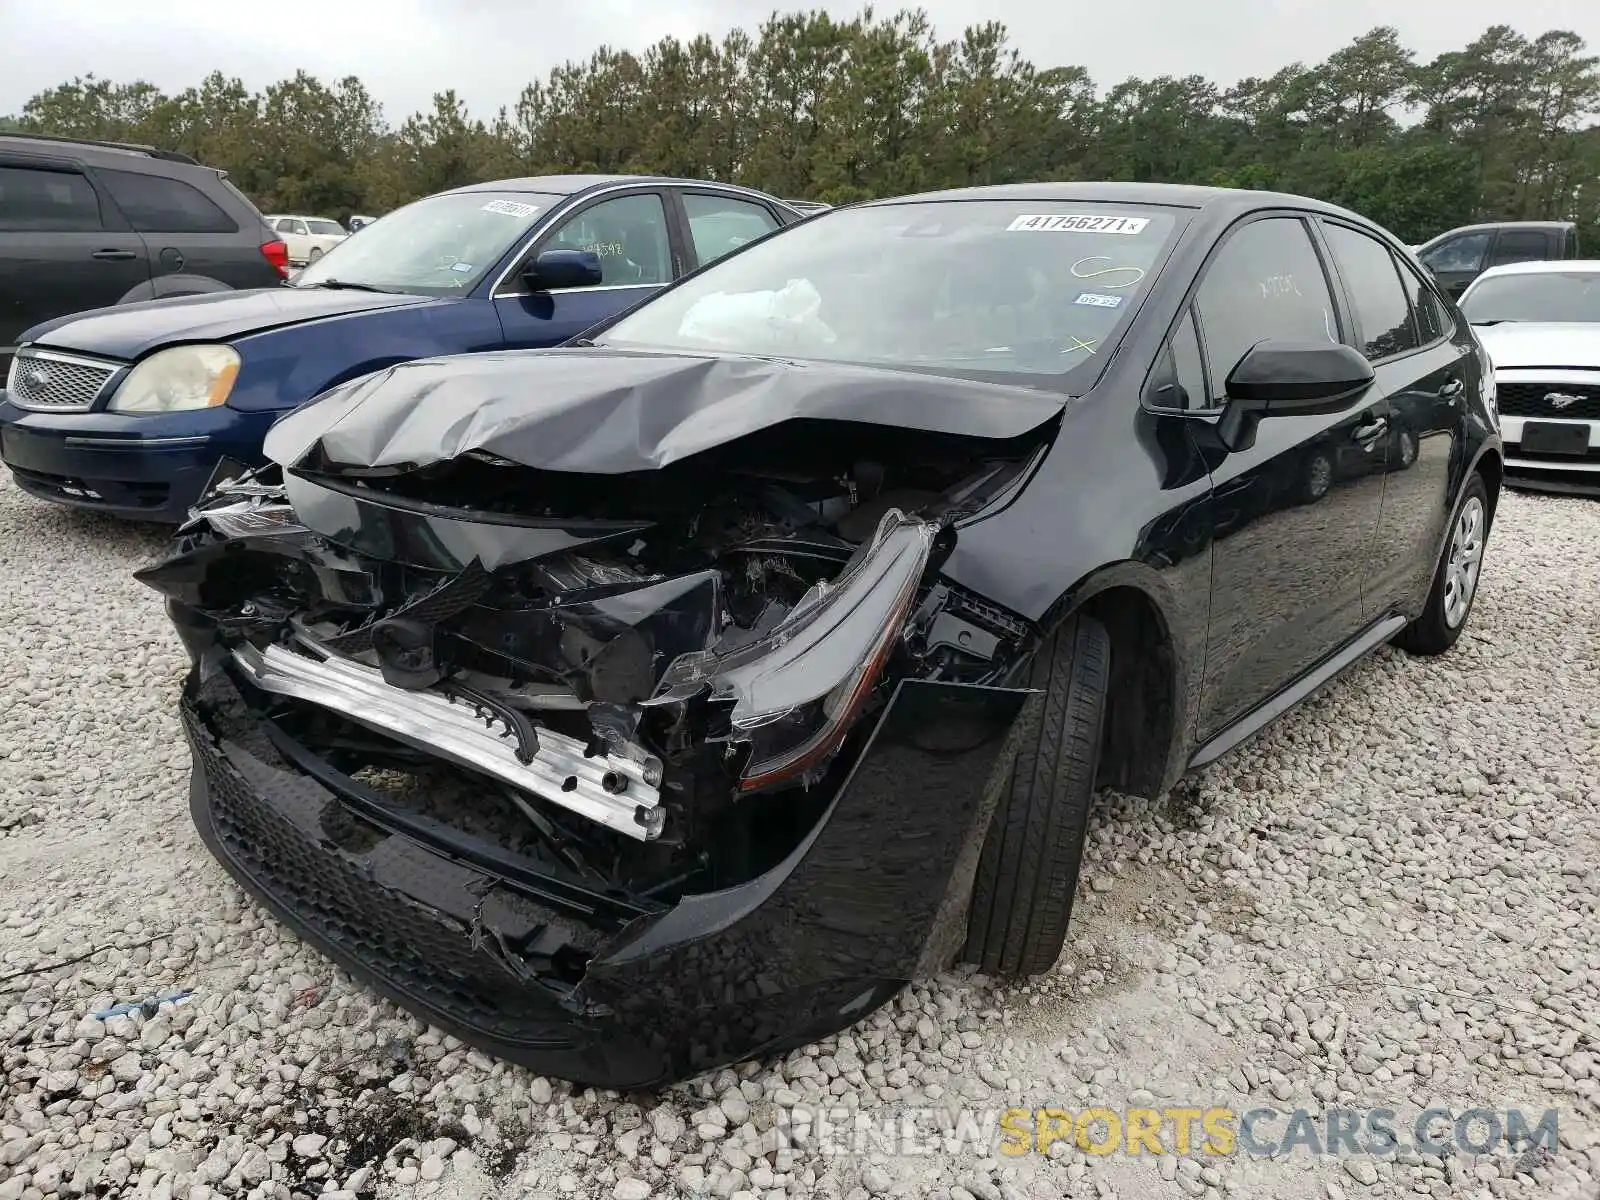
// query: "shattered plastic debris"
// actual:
[[148, 1007]]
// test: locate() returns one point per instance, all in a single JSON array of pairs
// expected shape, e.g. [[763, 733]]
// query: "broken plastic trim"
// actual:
[[611, 790], [236, 504], [797, 690]]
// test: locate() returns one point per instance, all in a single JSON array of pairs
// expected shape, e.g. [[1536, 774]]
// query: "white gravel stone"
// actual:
[[1388, 899]]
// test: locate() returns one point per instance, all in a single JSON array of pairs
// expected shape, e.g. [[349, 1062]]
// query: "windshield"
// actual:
[[1538, 296], [441, 246], [1004, 287], [325, 227]]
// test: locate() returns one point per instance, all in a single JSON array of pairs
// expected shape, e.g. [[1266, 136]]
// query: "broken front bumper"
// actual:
[[480, 942]]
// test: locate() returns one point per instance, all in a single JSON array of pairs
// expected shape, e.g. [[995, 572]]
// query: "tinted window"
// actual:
[[720, 225], [326, 228], [1372, 278], [1464, 253], [156, 205], [988, 287], [630, 236], [1265, 283], [1180, 379], [1520, 245], [46, 201], [1433, 321]]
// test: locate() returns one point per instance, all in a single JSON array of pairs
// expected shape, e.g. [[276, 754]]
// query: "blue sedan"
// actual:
[[129, 410]]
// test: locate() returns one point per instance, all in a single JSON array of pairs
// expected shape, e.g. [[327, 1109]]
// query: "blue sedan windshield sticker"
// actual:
[[1098, 300], [511, 208], [461, 268], [1077, 223]]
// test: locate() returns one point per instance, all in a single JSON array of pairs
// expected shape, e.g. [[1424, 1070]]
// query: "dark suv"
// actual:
[[88, 224]]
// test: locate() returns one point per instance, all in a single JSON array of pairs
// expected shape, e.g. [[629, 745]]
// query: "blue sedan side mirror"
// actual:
[[564, 269]]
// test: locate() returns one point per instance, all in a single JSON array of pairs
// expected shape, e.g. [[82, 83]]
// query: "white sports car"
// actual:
[[1540, 323]]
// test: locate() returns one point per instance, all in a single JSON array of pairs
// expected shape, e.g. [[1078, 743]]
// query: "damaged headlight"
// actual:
[[797, 688], [178, 380]]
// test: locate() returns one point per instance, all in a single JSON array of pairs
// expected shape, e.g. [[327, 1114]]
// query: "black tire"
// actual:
[[1028, 872], [316, 253], [1431, 633]]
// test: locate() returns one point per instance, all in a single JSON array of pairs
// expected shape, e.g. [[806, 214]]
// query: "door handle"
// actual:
[[1452, 388], [1370, 432], [114, 255]]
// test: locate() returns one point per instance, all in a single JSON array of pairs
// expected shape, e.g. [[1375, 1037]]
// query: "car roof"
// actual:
[[54, 145], [1482, 225], [1218, 200], [572, 185], [1552, 266]]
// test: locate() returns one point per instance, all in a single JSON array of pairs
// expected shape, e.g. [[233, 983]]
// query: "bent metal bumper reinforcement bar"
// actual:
[[608, 789]]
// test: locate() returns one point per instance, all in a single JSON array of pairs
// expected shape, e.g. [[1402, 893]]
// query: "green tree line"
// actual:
[[810, 106]]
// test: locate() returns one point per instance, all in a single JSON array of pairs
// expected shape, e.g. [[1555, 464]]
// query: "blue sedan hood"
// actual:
[[128, 331]]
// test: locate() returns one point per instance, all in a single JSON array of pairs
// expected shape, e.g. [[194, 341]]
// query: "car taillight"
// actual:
[[277, 253]]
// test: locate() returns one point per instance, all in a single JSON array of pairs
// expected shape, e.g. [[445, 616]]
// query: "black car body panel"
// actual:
[[610, 412], [607, 587], [873, 898]]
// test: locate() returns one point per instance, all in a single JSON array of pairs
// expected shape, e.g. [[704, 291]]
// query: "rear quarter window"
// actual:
[[154, 204]]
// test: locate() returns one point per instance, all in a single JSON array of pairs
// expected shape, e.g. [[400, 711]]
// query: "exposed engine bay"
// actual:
[[648, 684]]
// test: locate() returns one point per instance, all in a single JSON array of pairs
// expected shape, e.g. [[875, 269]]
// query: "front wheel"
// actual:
[[316, 253], [1028, 872], [1455, 580]]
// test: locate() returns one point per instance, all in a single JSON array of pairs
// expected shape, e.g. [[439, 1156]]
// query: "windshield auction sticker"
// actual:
[[511, 208], [1077, 223]]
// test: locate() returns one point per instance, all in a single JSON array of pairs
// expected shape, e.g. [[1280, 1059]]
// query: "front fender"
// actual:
[[283, 368]]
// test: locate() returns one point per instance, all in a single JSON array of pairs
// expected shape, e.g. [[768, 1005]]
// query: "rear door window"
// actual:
[[1520, 245], [1372, 277], [720, 224]]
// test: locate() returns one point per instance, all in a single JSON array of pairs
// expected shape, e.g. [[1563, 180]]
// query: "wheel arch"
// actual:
[[164, 286], [1493, 469], [1147, 702]]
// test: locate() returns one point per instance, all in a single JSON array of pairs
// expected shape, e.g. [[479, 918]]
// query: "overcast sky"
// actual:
[[405, 50]]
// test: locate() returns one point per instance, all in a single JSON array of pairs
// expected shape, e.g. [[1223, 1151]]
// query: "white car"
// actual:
[[308, 238], [1540, 323]]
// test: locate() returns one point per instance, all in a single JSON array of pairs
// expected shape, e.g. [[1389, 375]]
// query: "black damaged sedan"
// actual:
[[676, 696]]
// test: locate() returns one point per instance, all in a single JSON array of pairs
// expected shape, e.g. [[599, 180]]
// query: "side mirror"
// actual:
[[1276, 379], [564, 269]]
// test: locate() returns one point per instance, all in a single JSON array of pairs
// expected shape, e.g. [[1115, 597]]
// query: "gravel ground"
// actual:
[[1392, 899]]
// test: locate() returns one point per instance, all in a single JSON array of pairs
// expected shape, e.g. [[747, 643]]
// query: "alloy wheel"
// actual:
[[1465, 562]]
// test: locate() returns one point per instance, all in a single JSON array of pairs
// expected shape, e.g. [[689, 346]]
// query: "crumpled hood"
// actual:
[[1517, 344], [128, 331], [603, 411]]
